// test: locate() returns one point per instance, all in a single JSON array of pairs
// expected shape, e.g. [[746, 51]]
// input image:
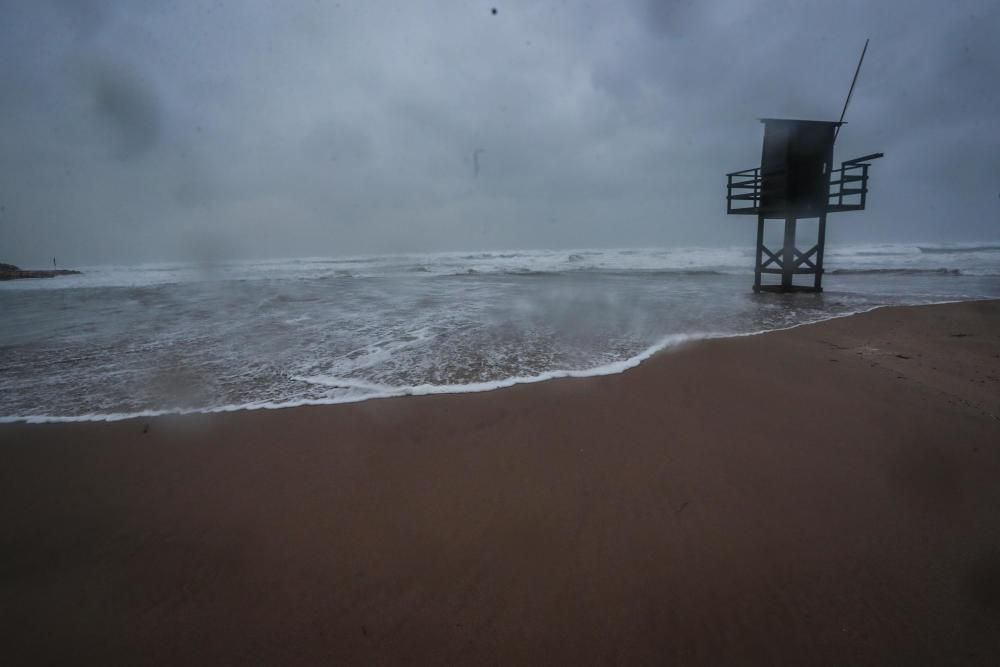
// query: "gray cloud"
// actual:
[[127, 109], [141, 131]]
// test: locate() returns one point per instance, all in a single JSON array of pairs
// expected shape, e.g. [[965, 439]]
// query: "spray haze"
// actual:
[[146, 131]]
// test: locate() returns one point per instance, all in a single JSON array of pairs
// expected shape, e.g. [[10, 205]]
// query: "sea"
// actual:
[[125, 341]]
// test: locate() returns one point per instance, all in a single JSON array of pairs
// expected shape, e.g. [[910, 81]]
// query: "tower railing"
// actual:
[[848, 188], [850, 183], [743, 191]]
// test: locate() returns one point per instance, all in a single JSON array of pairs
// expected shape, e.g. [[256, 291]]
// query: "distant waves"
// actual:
[[897, 272]]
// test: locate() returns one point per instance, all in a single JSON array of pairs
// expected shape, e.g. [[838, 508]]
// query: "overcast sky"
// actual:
[[136, 130]]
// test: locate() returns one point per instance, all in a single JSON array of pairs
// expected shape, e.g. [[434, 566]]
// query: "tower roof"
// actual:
[[798, 121]]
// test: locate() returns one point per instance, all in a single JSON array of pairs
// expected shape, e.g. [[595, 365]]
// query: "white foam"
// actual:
[[375, 390], [383, 391]]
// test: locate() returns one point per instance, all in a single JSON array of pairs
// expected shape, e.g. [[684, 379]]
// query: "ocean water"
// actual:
[[122, 341]]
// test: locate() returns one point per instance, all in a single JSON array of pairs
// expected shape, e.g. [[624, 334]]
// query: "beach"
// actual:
[[823, 495]]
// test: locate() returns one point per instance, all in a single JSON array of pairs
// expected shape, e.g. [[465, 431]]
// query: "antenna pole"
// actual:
[[851, 91]]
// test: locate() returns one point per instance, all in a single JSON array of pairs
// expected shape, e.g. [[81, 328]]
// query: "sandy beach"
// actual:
[[826, 495]]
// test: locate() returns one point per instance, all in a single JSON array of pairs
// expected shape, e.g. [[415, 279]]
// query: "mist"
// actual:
[[144, 131]]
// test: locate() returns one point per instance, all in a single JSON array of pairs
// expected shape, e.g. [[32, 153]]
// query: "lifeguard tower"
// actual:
[[796, 180]]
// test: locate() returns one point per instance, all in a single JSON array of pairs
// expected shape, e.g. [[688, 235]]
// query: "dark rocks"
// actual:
[[11, 272]]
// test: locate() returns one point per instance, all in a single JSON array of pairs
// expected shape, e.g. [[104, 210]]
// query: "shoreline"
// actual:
[[821, 495], [665, 346]]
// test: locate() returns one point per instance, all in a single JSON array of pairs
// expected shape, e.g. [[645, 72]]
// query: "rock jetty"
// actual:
[[11, 272]]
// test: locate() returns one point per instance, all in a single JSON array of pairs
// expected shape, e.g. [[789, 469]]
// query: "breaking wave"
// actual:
[[954, 249], [897, 272]]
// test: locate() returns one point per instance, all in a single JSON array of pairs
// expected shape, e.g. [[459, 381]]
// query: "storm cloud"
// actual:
[[137, 131]]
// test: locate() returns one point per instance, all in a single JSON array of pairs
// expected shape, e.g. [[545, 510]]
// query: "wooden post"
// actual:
[[821, 245], [788, 255], [760, 252]]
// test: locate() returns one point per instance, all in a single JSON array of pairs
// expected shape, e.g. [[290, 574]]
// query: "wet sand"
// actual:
[[826, 495]]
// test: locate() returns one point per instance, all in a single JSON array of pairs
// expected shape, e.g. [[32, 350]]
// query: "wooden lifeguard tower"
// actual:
[[796, 180]]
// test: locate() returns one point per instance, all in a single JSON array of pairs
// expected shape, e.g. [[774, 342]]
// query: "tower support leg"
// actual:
[[788, 255], [760, 253], [821, 246]]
